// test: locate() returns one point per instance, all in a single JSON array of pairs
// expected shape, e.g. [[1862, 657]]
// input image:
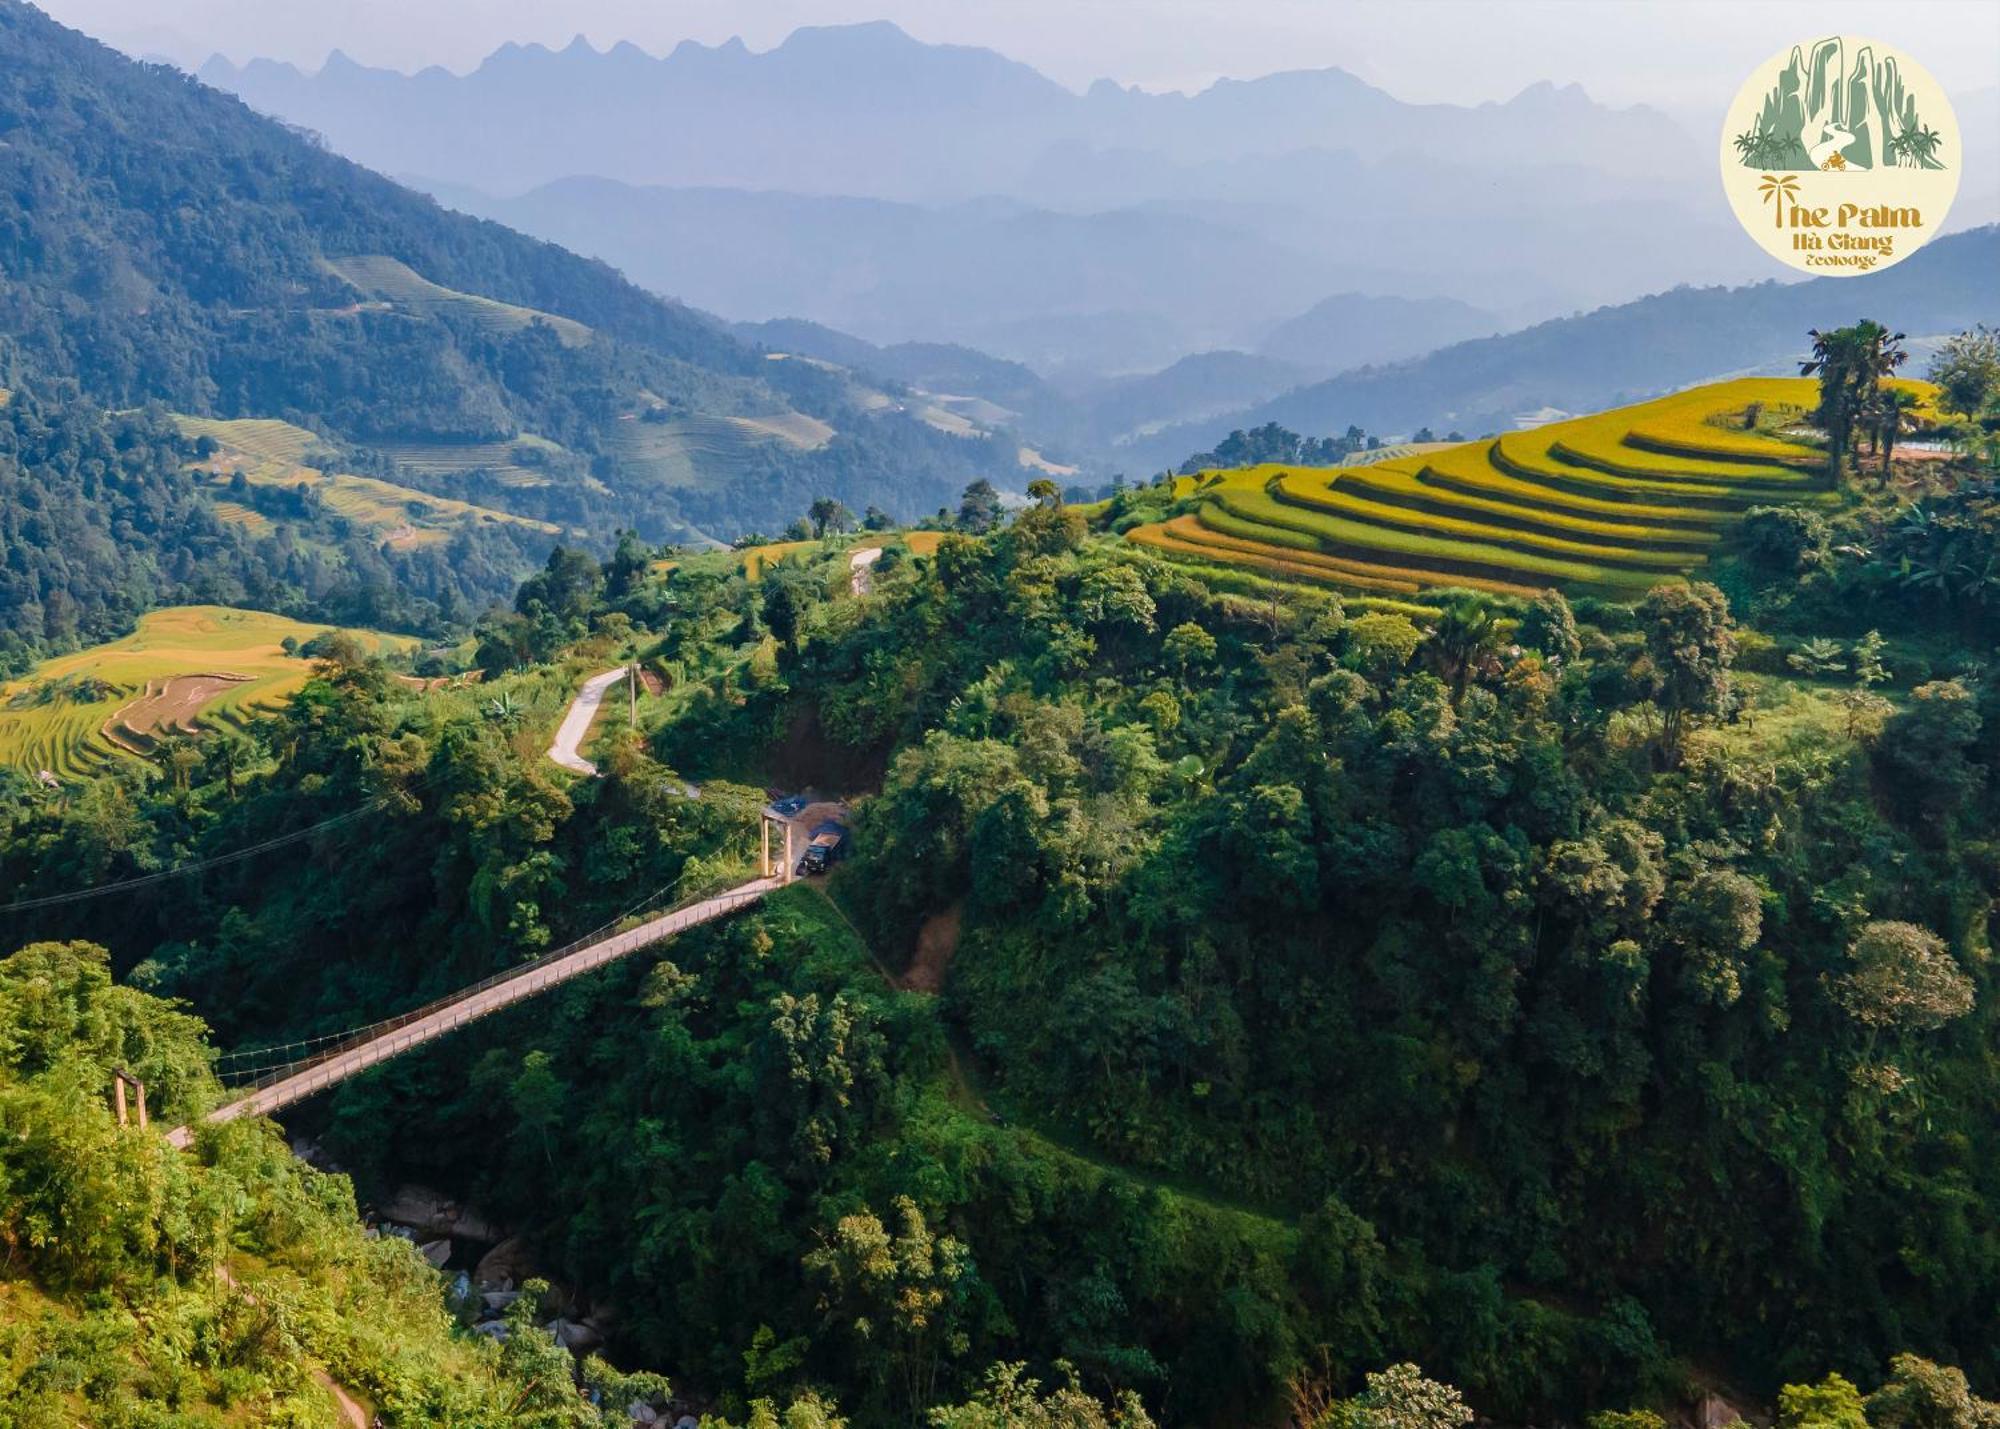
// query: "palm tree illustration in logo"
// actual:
[[1778, 191]]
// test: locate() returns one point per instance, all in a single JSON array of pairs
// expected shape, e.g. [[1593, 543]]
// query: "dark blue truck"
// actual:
[[825, 848]]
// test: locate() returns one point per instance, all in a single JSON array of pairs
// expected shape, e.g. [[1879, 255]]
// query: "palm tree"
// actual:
[[1761, 148], [1882, 349], [1893, 414], [1465, 637], [1851, 363], [1778, 191], [1919, 145], [1836, 354]]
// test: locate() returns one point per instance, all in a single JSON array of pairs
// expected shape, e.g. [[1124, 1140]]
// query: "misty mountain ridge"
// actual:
[[1621, 353], [1355, 329], [901, 191], [957, 120], [1126, 288]]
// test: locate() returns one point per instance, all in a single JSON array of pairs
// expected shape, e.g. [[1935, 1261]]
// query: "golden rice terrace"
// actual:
[[1612, 503]]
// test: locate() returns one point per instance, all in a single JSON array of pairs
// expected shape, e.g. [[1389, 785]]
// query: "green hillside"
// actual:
[[291, 283]]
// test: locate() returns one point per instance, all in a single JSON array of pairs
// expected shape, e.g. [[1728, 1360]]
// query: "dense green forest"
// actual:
[[1588, 1005], [142, 1286], [162, 243]]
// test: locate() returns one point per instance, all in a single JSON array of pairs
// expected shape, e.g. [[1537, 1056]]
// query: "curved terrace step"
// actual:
[[1411, 493], [1339, 506]]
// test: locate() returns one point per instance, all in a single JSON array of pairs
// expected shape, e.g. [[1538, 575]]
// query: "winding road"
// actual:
[[860, 579], [577, 719]]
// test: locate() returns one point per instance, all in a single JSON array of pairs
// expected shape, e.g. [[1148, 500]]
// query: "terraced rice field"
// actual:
[[1610, 504], [237, 514], [712, 451], [377, 276], [505, 460], [794, 429], [189, 667], [271, 453]]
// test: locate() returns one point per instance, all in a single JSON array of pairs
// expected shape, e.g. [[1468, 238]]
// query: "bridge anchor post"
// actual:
[[120, 1080]]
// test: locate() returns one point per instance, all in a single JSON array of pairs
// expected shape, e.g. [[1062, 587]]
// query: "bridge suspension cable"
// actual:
[[180, 870], [316, 1047]]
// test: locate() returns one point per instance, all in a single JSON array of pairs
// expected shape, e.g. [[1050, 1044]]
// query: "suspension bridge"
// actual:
[[313, 1066]]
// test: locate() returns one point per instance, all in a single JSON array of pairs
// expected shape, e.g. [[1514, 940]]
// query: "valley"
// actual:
[[817, 732]]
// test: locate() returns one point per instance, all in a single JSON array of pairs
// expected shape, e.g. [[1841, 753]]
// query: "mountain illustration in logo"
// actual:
[[1834, 113]]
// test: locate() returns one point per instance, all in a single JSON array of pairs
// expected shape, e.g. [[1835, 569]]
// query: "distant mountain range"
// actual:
[[1354, 329], [903, 191], [1617, 354], [865, 109], [1620, 353], [1087, 419]]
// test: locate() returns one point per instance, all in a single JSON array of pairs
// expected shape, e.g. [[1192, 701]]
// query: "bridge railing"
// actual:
[[532, 976]]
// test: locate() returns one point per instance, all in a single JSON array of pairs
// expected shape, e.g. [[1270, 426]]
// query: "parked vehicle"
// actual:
[[828, 844]]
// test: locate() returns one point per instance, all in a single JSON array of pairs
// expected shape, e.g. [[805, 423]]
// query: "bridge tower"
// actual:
[[120, 1080], [782, 869]]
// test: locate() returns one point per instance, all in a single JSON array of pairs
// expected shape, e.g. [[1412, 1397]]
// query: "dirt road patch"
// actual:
[[937, 940]]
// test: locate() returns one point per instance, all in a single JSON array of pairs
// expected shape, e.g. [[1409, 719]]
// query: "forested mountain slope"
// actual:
[[159, 241], [1572, 1011], [103, 516]]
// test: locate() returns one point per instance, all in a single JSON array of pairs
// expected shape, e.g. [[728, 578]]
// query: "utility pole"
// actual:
[[632, 680]]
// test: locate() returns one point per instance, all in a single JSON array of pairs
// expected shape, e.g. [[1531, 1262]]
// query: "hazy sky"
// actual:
[[1668, 52]]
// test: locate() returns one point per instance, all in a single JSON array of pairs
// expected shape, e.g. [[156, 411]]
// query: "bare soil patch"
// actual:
[[169, 706], [937, 940]]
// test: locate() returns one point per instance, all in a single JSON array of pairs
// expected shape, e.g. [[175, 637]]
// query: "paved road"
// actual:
[[576, 721], [478, 1003], [860, 579]]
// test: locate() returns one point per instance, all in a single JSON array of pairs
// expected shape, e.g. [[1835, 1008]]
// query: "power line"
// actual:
[[146, 880], [363, 1032]]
